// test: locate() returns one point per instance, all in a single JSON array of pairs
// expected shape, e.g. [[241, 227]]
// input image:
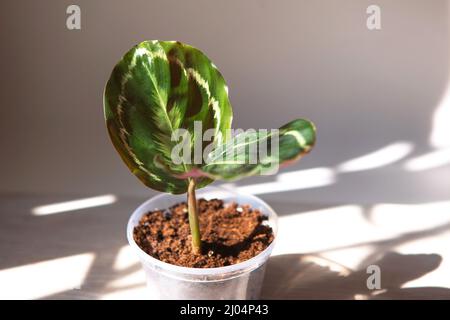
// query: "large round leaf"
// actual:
[[155, 89]]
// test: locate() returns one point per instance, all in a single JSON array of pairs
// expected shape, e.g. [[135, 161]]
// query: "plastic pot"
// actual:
[[238, 281]]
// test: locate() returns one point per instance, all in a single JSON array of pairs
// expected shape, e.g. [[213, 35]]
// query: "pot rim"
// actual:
[[238, 268]]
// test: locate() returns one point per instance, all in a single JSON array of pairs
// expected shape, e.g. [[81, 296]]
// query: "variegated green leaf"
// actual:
[[155, 89], [259, 152]]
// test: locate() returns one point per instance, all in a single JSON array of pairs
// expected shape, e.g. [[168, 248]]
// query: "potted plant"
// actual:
[[169, 117]]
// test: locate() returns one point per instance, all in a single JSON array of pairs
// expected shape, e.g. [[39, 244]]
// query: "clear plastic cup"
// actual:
[[167, 281]]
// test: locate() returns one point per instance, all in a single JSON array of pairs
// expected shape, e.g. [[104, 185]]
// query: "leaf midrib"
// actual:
[[163, 106]]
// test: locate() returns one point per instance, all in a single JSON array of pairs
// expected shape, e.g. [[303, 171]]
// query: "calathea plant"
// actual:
[[162, 92]]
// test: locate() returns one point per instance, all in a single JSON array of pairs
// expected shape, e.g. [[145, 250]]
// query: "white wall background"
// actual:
[[365, 90]]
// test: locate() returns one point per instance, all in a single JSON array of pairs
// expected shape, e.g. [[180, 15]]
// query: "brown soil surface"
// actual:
[[230, 234]]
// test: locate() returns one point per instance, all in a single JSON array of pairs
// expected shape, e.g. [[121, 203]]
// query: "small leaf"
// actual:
[[255, 152]]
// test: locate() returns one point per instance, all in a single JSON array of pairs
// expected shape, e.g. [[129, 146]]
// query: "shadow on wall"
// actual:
[[312, 277], [364, 89]]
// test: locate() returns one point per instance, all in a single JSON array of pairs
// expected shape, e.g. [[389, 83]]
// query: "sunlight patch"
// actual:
[[293, 180], [379, 158], [42, 279], [428, 161], [74, 205]]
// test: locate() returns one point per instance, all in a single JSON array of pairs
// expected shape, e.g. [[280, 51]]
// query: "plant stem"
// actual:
[[193, 218]]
